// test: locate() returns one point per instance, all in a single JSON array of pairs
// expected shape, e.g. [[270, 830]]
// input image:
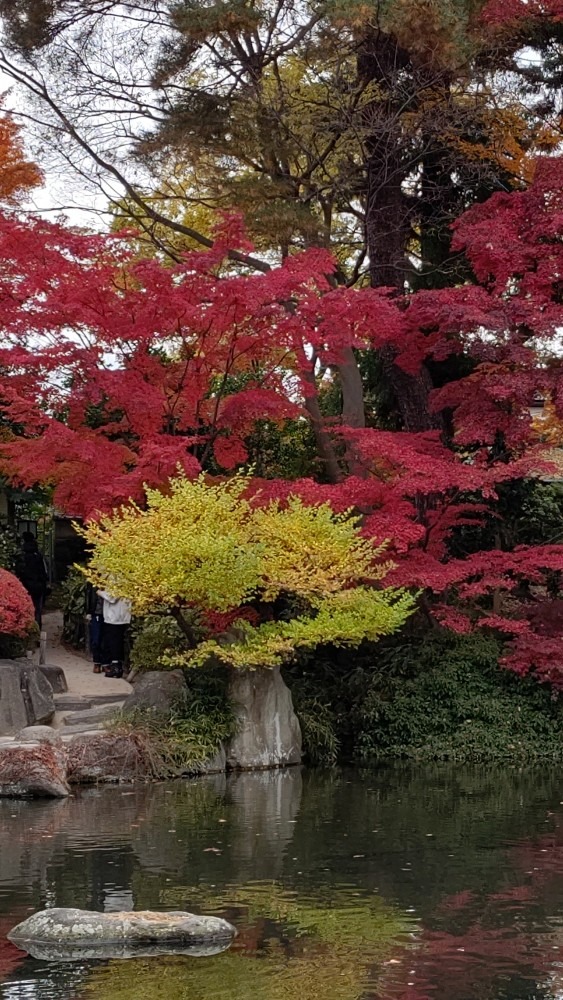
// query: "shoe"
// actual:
[[97, 668]]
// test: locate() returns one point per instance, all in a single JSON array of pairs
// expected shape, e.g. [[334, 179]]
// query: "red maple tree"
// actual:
[[117, 371]]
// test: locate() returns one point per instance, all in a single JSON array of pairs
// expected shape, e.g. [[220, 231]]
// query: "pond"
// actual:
[[400, 883]]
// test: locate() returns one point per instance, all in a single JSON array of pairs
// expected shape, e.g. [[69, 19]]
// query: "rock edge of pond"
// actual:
[[40, 762]]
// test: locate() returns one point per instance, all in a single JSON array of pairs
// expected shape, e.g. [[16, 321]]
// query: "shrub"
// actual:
[[438, 696], [73, 603], [155, 638], [193, 732], [16, 606], [17, 619], [8, 548]]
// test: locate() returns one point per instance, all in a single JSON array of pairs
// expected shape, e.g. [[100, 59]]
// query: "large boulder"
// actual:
[[157, 691], [32, 770], [26, 697], [268, 732], [71, 933]]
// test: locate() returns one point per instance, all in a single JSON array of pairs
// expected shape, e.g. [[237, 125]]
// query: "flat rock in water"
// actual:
[[83, 933]]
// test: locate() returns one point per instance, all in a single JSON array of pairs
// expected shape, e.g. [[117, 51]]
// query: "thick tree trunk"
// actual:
[[353, 409], [323, 441], [388, 215], [412, 393]]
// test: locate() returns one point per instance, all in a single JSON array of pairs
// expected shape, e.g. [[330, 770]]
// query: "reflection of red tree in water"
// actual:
[[10, 956], [497, 936]]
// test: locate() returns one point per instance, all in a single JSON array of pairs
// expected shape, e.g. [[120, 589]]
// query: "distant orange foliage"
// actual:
[[18, 175]]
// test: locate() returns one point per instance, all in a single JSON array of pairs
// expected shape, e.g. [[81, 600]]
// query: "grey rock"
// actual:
[[26, 697], [268, 733], [56, 677], [33, 770], [157, 691], [39, 734], [96, 714], [99, 933]]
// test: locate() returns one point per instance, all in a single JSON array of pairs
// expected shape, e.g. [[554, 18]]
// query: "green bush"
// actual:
[[317, 718], [9, 548], [439, 696], [153, 638], [73, 605]]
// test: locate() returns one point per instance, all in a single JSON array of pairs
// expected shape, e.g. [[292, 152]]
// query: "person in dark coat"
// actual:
[[95, 615], [32, 572]]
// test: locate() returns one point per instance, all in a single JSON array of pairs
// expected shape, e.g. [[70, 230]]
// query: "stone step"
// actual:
[[107, 699], [72, 701], [95, 714], [80, 702]]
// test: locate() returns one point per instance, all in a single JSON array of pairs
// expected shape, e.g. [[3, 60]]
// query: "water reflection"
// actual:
[[404, 883]]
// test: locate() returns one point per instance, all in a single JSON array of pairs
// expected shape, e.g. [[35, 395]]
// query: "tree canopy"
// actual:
[[204, 549]]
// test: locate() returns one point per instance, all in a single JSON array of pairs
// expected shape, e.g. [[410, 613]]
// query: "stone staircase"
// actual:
[[84, 713]]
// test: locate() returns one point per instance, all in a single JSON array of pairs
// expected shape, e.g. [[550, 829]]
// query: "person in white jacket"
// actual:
[[117, 616]]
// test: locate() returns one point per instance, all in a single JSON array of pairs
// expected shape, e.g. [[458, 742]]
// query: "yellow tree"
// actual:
[[304, 575]]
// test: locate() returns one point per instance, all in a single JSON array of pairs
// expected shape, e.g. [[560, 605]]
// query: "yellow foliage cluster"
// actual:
[[549, 427], [512, 140], [207, 547]]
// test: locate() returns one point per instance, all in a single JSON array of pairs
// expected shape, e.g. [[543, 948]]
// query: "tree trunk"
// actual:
[[388, 212], [323, 441], [353, 410]]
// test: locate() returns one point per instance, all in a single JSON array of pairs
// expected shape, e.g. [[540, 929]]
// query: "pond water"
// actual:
[[401, 883]]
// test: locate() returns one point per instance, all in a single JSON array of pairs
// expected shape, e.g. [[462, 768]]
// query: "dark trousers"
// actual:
[[96, 637], [113, 643], [38, 600]]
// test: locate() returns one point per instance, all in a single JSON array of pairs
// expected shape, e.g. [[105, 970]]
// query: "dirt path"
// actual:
[[78, 669]]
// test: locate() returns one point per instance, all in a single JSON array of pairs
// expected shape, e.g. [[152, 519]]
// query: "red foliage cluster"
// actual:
[[16, 606], [122, 370], [509, 12]]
